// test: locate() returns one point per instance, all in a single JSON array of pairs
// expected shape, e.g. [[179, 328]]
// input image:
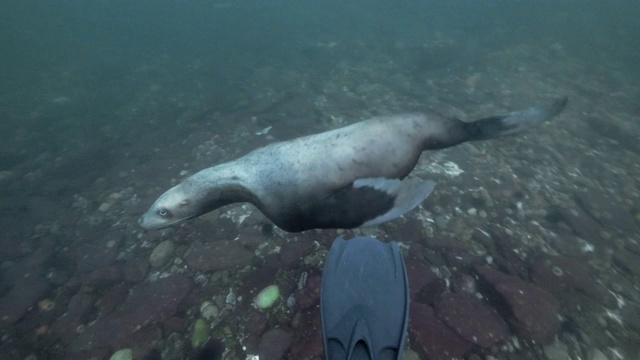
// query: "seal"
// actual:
[[344, 178]]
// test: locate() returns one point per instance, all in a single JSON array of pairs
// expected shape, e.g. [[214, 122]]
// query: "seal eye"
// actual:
[[185, 202], [163, 212]]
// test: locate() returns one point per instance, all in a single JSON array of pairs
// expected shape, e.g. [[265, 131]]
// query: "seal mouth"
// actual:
[[145, 223]]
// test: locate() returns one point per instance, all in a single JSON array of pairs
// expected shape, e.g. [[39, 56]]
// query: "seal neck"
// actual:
[[220, 185]]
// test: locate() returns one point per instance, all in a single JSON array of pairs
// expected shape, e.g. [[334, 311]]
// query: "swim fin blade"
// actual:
[[364, 301]]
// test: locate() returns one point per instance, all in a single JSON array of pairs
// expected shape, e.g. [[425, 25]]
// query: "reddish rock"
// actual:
[[535, 310], [558, 274], [98, 253], [431, 338], [173, 324], [472, 318], [21, 297], [149, 304], [307, 337], [291, 253], [256, 323], [57, 277], [113, 297], [104, 275], [460, 258], [29, 266], [135, 270], [607, 211], [79, 307], [275, 343], [310, 294], [419, 275], [217, 255]]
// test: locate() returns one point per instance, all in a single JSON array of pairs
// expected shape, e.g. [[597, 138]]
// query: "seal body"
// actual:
[[342, 178]]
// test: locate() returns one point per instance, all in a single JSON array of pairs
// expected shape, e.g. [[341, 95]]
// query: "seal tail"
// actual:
[[514, 122]]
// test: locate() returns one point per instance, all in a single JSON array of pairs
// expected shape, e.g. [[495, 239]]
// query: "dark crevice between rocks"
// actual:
[[493, 297], [586, 209], [212, 350]]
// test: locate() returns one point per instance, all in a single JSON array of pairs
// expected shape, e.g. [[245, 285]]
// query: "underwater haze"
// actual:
[[104, 105]]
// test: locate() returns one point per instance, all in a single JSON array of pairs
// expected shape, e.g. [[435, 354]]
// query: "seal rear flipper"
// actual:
[[514, 122], [364, 300]]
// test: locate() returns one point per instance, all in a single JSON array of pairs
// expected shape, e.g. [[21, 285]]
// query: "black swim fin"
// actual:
[[364, 300]]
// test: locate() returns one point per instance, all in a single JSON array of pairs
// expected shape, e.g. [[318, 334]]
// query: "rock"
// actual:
[[431, 338], [310, 294], [113, 297], [460, 258], [267, 297], [419, 275], [631, 315], [103, 276], [22, 296], [146, 306], [275, 343], [558, 274], [217, 255], [78, 309], [161, 253], [29, 266], [122, 354], [535, 310], [583, 224], [628, 261], [607, 211], [557, 351], [97, 254], [57, 277], [172, 325], [135, 270], [291, 253], [200, 333], [307, 337], [256, 322], [473, 319]]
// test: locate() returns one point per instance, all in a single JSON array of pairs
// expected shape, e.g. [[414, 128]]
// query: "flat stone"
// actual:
[[291, 253], [557, 274], [148, 305], [535, 310], [20, 299], [473, 319], [608, 211], [98, 253], [431, 338], [582, 223], [307, 337], [218, 255], [275, 343], [80, 306], [419, 275]]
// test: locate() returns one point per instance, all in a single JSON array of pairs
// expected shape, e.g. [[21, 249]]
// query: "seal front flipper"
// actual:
[[364, 300], [407, 194], [365, 202]]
